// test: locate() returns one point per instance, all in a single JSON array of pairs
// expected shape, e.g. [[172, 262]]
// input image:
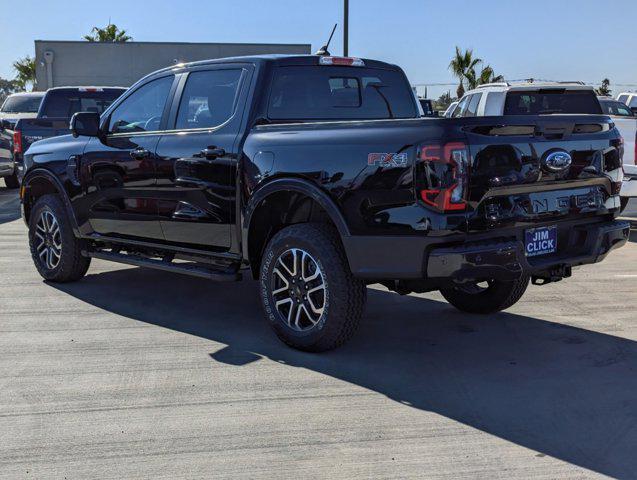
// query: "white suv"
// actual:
[[532, 98], [628, 98]]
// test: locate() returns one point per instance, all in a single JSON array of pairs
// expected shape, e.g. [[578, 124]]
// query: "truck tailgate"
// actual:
[[530, 169], [35, 129]]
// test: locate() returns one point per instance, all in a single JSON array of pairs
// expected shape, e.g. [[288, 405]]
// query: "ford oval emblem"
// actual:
[[557, 161]]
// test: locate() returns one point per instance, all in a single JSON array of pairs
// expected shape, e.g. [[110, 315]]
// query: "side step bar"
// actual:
[[184, 268]]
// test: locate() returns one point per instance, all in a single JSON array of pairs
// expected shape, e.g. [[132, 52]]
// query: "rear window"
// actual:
[[622, 98], [22, 104], [336, 93], [551, 101], [64, 103]]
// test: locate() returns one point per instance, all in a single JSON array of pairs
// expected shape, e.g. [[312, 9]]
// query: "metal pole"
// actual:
[[345, 27]]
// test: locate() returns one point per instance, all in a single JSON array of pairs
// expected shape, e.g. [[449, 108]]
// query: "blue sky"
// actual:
[[559, 39]]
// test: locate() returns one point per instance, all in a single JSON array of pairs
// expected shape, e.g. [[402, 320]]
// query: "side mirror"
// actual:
[[86, 124]]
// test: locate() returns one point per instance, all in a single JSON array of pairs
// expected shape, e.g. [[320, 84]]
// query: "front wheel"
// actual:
[[308, 292], [56, 252], [486, 297]]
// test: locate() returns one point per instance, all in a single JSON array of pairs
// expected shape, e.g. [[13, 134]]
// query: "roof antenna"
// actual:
[[323, 49]]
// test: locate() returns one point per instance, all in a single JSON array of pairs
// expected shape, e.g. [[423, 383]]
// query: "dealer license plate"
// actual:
[[540, 241]]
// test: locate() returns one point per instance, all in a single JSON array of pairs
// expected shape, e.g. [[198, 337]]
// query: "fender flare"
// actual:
[[50, 177], [294, 185]]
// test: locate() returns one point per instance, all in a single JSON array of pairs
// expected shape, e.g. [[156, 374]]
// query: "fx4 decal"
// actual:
[[387, 159]]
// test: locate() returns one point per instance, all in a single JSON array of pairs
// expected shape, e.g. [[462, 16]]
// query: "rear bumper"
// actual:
[[412, 258], [507, 260]]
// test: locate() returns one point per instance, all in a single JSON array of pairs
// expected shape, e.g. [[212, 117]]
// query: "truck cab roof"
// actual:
[[272, 59]]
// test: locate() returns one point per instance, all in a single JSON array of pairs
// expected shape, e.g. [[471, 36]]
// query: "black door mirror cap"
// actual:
[[85, 124]]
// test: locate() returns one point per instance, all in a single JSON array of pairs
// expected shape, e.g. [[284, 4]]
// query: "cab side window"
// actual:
[[209, 99], [142, 110]]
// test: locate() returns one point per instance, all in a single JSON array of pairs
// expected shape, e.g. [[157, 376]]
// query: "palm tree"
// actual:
[[461, 64], [25, 69], [110, 33], [486, 75], [604, 90]]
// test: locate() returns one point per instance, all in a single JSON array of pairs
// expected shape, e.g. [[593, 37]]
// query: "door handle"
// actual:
[[140, 153], [212, 152]]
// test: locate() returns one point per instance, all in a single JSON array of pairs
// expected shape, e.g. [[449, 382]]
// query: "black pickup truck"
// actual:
[[317, 174], [52, 119]]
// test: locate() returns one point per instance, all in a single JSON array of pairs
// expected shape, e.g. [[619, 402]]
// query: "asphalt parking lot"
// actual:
[[135, 373]]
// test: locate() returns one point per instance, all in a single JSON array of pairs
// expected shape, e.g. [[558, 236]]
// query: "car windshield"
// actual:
[[612, 107], [22, 104], [547, 101], [64, 103]]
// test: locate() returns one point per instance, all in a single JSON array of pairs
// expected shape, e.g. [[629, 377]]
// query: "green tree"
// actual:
[[604, 90], [486, 75], [461, 64], [443, 101], [7, 87], [25, 72], [110, 33]]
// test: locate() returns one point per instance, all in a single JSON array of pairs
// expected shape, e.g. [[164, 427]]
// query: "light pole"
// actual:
[[345, 26]]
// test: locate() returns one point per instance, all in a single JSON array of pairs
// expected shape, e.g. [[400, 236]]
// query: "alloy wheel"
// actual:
[[298, 289], [48, 240]]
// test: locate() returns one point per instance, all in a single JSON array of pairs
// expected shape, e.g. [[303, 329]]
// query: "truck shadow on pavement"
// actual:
[[562, 391]]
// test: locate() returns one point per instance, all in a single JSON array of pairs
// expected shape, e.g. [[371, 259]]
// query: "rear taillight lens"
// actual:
[[442, 176], [17, 141]]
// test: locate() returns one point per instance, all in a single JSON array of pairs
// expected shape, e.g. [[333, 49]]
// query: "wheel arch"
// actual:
[[259, 224], [39, 182]]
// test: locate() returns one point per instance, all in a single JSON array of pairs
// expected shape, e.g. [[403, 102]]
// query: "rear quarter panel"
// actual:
[[349, 161]]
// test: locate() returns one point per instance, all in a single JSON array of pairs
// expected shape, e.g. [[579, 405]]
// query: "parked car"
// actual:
[[626, 122], [316, 174], [450, 109], [15, 107], [52, 119], [532, 98], [428, 107], [630, 99]]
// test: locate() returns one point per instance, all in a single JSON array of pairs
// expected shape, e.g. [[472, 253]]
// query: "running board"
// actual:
[[184, 268]]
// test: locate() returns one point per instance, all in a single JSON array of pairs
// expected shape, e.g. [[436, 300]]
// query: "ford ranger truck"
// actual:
[[316, 176]]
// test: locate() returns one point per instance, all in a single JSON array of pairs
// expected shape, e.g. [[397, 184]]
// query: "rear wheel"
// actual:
[[486, 297], [12, 181], [308, 293], [56, 252]]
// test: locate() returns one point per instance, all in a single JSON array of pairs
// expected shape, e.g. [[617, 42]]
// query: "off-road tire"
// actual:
[[12, 181], [500, 295], [72, 265], [344, 295]]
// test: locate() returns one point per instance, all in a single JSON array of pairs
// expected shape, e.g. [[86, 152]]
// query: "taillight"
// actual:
[[17, 141], [442, 176]]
